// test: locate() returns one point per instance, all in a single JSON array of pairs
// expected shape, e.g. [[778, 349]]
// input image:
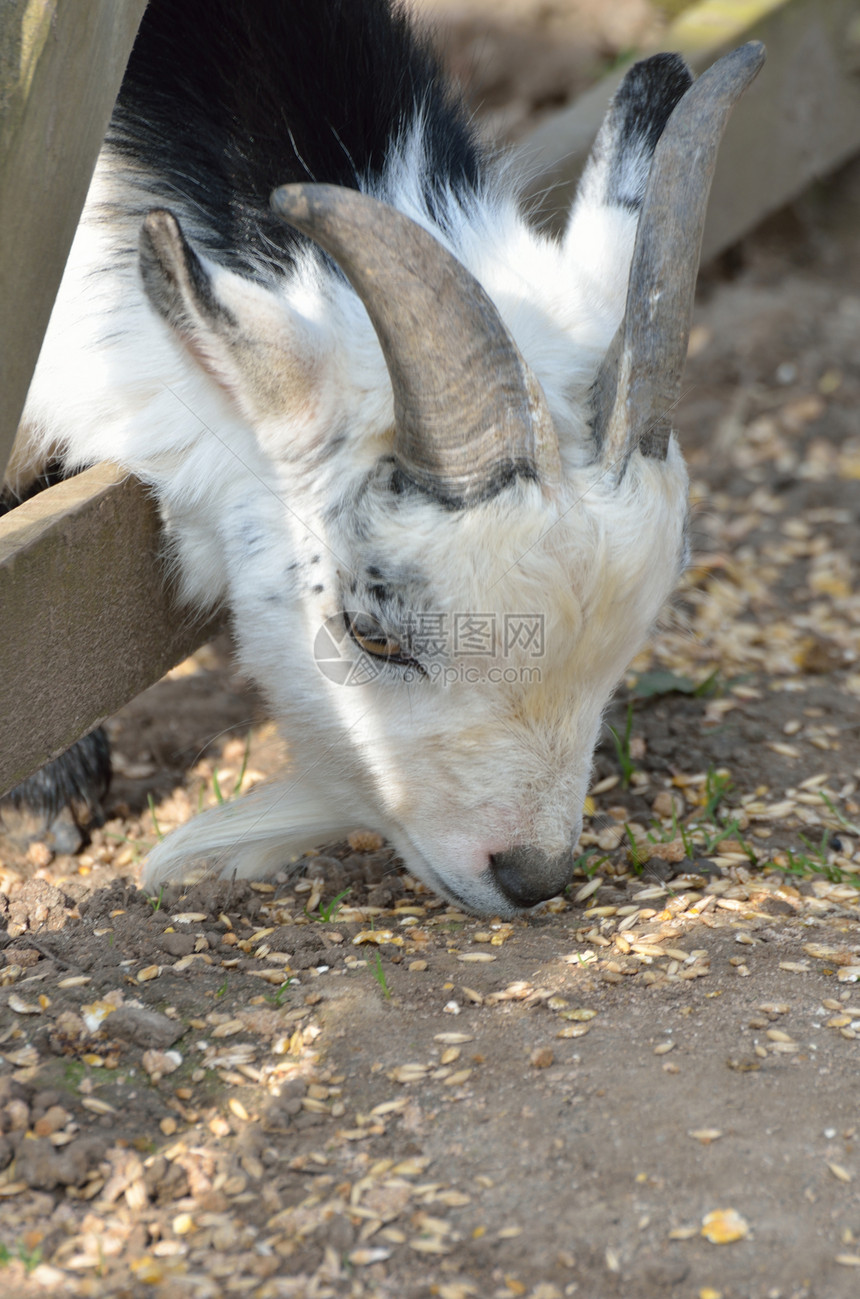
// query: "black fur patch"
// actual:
[[504, 475], [52, 473], [224, 100]]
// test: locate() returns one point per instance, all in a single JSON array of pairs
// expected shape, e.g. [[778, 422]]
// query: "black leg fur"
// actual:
[[60, 801]]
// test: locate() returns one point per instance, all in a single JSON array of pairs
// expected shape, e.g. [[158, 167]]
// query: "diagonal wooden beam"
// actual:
[[88, 619], [799, 121]]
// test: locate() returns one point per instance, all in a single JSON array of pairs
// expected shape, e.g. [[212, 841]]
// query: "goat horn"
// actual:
[[639, 381], [469, 414]]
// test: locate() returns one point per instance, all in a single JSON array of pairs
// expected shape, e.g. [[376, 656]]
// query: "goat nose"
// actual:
[[528, 875]]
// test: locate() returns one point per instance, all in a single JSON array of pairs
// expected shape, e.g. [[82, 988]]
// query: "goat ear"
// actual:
[[175, 280], [601, 228], [617, 170], [243, 335]]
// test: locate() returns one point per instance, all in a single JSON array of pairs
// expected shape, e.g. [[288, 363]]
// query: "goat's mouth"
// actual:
[[485, 899]]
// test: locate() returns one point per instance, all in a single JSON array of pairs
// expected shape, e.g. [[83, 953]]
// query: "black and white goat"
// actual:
[[378, 408]]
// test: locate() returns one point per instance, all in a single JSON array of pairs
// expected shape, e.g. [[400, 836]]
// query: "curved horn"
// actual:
[[469, 414], [639, 381]]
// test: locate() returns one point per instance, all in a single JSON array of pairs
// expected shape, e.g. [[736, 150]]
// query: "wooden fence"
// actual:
[[86, 618]]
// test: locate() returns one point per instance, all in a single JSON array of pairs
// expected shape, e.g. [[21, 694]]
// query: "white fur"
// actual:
[[450, 773]]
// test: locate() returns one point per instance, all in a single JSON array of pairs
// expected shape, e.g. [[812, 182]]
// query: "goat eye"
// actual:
[[370, 637]]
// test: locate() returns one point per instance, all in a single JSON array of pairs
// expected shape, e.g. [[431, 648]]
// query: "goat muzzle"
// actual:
[[527, 875]]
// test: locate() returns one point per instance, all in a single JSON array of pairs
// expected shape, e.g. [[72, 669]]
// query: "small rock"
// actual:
[[340, 1233], [17, 1116], [36, 904], [43, 1101], [26, 957], [292, 1088], [44, 1167], [212, 1201], [666, 1273], [673, 852], [701, 866], [63, 834], [308, 1119], [777, 907], [159, 1063], [11, 1089], [381, 896], [165, 1182], [657, 870], [177, 944], [39, 854], [145, 1028], [819, 657], [668, 803], [372, 868], [319, 868], [278, 1118], [365, 841], [53, 1120], [542, 1057], [308, 959]]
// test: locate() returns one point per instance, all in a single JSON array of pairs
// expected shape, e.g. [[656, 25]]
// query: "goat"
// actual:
[[422, 452]]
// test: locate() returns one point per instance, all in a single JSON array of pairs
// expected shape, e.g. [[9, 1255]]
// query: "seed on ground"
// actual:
[[724, 1226]]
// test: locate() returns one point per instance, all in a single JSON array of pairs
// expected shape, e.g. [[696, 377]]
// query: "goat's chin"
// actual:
[[252, 837], [476, 894], [267, 829]]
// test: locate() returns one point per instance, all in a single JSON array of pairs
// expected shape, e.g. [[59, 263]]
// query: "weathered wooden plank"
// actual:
[[61, 63], [798, 121], [88, 619]]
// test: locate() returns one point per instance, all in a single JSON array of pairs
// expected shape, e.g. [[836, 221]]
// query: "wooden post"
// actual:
[[61, 63]]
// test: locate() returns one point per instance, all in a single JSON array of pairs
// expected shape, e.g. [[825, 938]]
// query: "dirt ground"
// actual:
[[333, 1084]]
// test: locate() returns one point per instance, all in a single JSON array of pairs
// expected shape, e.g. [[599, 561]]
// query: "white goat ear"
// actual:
[[244, 335]]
